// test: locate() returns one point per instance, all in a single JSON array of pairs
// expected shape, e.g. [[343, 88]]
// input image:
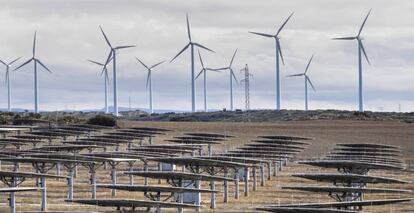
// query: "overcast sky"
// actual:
[[68, 35]]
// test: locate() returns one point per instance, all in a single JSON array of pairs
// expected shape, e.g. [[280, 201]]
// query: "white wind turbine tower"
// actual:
[[112, 54], [278, 55], [8, 82], [106, 81], [204, 72], [149, 81], [191, 44], [36, 61], [232, 76], [307, 79], [360, 49]]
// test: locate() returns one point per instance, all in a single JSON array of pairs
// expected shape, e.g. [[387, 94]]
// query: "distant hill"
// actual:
[[282, 115]]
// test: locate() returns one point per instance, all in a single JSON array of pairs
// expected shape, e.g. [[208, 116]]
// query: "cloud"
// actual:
[[68, 35]]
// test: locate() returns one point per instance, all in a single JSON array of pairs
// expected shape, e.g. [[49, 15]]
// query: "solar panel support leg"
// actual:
[[198, 198], [70, 184], [254, 174], [93, 182], [57, 170], [12, 199], [209, 150], [226, 188], [236, 187], [158, 210], [131, 177], [262, 176], [159, 169], [280, 166], [113, 177], [145, 169], [246, 181], [181, 196], [43, 203], [212, 195], [269, 170]]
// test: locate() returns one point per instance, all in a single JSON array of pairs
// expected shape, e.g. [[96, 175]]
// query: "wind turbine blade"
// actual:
[[203, 47], [284, 23], [365, 53], [97, 63], [218, 69], [142, 63], [124, 47], [106, 75], [155, 65], [363, 23], [310, 82], [43, 65], [34, 44], [3, 62], [108, 59], [345, 38], [201, 60], [14, 60], [188, 29], [232, 59], [198, 75], [7, 78], [262, 34], [295, 75], [23, 64], [234, 76], [186, 46], [104, 70], [214, 70], [280, 51], [106, 38], [148, 77], [307, 66]]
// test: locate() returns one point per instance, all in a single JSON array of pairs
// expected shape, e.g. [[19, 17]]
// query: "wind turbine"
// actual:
[[360, 49], [307, 79], [278, 54], [112, 54], [204, 72], [36, 61], [191, 44], [232, 76], [149, 81], [8, 82], [106, 81]]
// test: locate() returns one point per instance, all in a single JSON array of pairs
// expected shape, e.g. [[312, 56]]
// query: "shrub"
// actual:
[[102, 120]]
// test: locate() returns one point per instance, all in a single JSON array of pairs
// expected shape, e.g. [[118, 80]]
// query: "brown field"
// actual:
[[325, 134]]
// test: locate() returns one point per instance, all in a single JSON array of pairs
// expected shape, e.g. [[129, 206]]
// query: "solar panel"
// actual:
[[347, 203], [304, 210], [147, 188], [18, 189], [131, 203], [351, 164], [283, 137], [340, 189], [347, 178], [177, 175]]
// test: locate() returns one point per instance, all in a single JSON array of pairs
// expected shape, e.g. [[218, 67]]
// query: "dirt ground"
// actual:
[[325, 134]]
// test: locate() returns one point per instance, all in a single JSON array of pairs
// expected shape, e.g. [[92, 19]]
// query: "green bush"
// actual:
[[102, 120]]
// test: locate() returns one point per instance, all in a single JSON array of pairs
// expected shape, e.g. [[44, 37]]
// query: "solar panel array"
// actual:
[[353, 162]]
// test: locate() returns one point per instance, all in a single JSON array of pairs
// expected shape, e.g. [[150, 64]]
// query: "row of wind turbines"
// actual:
[[192, 45]]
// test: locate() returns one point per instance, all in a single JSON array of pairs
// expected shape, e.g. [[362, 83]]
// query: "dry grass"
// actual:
[[325, 133]]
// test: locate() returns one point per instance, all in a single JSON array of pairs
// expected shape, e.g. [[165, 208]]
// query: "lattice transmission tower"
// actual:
[[246, 81]]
